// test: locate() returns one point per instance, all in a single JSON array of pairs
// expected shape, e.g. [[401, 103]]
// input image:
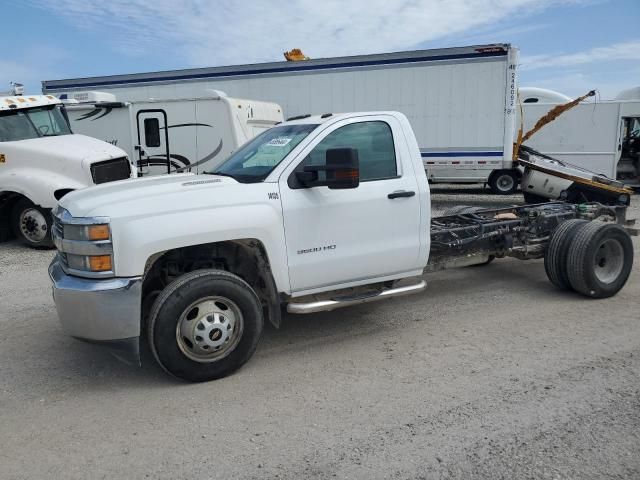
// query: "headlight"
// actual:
[[87, 232], [84, 244]]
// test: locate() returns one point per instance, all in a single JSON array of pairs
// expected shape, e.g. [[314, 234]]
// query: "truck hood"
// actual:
[[72, 148], [158, 195]]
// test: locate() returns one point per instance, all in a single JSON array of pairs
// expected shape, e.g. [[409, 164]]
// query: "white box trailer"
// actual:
[[169, 134], [460, 101], [603, 137]]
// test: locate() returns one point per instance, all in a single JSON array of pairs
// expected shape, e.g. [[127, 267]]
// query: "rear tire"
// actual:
[[555, 258], [600, 259], [504, 182], [32, 224], [205, 325]]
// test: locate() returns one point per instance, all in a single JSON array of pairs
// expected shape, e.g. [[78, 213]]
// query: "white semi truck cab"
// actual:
[[316, 213], [41, 161]]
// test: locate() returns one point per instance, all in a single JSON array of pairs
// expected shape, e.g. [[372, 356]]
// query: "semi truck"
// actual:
[[171, 134], [41, 161], [461, 101], [316, 213]]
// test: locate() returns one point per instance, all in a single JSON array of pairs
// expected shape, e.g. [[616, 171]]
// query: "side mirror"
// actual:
[[342, 170]]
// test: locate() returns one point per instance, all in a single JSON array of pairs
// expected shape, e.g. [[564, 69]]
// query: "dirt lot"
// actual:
[[490, 373]]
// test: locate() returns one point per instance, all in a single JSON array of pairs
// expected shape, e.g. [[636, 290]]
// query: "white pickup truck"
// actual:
[[314, 214], [41, 160]]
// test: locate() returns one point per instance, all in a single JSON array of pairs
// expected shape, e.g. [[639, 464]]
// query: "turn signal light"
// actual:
[[100, 263], [346, 174], [98, 232]]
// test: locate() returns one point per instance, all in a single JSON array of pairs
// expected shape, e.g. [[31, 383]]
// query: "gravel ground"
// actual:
[[490, 373]]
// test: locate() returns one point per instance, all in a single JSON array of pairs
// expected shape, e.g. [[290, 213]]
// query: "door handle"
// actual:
[[400, 194]]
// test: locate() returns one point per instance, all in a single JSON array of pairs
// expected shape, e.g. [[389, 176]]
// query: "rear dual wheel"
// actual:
[[591, 258]]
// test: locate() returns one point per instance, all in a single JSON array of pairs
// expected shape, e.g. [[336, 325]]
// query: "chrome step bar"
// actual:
[[325, 305]]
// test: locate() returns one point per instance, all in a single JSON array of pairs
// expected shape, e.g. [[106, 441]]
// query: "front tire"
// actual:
[[504, 182], [205, 325], [32, 224]]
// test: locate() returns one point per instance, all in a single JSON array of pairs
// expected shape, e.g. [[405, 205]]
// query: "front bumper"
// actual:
[[105, 311]]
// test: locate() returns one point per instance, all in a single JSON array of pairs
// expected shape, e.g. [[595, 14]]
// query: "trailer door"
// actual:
[[153, 143]]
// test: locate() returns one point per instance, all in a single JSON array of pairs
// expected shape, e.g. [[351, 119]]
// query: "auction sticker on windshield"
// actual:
[[278, 142]]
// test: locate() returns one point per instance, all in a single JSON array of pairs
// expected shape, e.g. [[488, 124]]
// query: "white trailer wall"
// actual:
[[459, 100]]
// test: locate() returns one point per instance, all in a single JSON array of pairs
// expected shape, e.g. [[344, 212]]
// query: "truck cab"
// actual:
[[42, 160]]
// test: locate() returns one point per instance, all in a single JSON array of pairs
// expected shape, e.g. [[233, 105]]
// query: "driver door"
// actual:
[[336, 236]]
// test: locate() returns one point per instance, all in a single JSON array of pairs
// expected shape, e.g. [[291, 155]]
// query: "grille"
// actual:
[[110, 170]]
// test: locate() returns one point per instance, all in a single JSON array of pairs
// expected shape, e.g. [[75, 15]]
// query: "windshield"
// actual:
[[30, 123], [256, 159]]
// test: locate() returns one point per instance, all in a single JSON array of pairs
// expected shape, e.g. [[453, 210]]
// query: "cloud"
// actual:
[[231, 32], [629, 51]]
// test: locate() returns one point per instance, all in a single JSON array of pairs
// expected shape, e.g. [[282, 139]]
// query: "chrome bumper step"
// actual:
[[339, 302]]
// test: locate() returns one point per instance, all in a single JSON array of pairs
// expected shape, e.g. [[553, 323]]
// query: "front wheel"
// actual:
[[205, 325], [504, 182], [32, 224]]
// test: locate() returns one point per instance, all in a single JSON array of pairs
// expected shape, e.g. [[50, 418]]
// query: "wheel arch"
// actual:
[[8, 198], [247, 258]]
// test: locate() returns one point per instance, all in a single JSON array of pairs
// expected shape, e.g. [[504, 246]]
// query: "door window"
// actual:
[[152, 132], [372, 140]]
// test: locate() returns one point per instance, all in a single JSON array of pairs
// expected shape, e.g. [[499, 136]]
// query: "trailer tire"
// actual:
[[504, 182], [32, 224], [205, 325], [555, 258], [600, 259]]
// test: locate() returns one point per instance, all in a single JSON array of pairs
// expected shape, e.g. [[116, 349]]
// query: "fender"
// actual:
[[38, 185], [138, 238]]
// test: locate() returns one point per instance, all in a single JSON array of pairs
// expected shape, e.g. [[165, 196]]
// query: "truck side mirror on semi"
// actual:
[[342, 170]]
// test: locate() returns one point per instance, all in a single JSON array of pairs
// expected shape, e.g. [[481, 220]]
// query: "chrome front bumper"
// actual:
[[105, 311]]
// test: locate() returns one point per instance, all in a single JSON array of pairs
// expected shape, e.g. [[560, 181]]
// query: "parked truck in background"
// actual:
[[602, 136], [42, 160], [317, 213], [460, 101], [171, 134]]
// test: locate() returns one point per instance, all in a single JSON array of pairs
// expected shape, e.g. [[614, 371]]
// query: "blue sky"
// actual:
[[567, 45]]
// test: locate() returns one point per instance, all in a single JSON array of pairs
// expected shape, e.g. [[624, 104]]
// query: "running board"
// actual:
[[325, 305]]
